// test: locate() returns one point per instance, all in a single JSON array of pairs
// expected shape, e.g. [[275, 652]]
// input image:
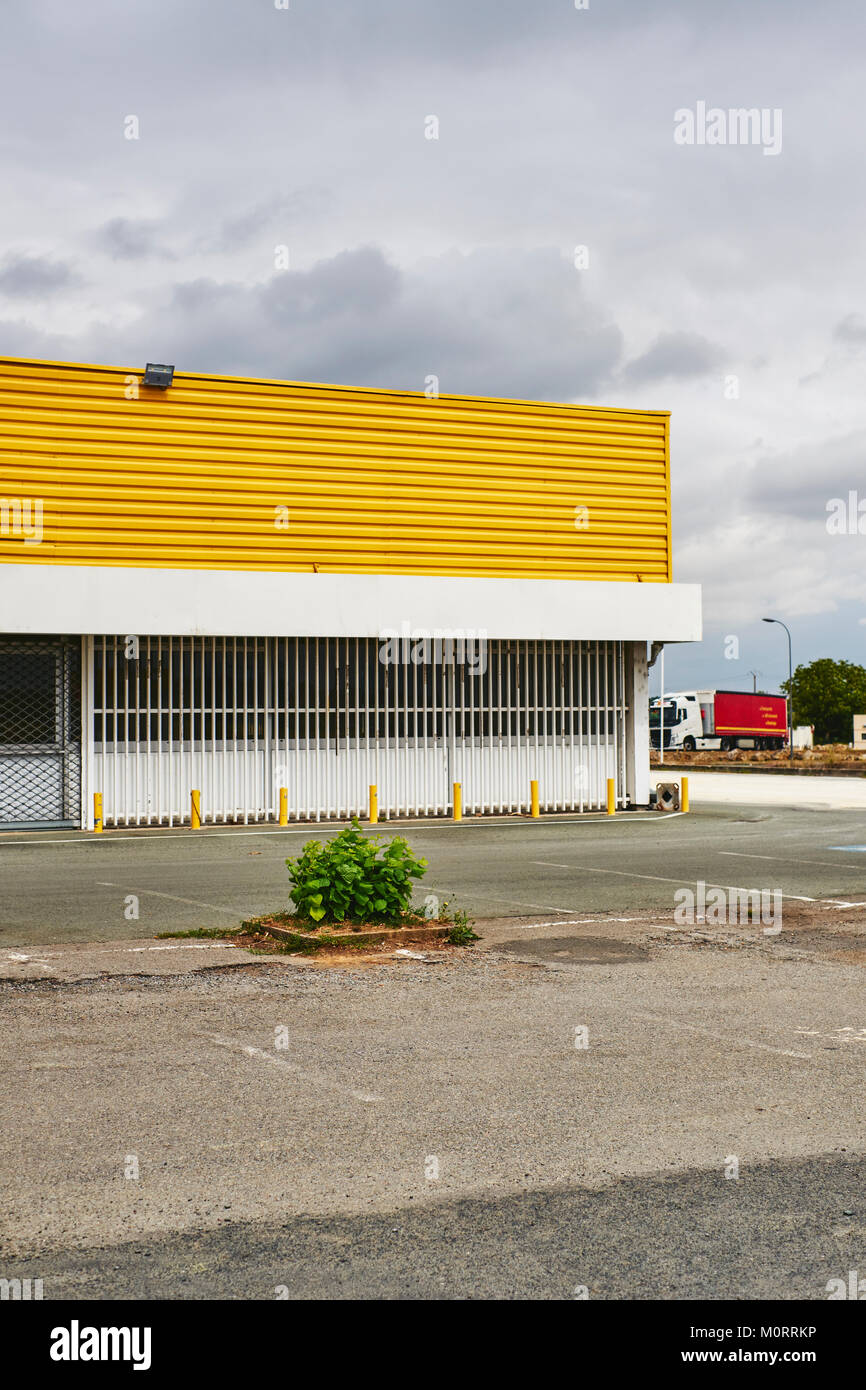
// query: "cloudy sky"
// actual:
[[720, 282]]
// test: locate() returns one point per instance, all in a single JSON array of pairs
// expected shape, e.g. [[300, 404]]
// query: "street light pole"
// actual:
[[662, 707], [790, 686]]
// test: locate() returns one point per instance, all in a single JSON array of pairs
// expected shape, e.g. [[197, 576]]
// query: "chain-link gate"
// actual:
[[40, 731]]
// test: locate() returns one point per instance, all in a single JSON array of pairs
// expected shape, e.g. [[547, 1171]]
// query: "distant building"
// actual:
[[860, 731]]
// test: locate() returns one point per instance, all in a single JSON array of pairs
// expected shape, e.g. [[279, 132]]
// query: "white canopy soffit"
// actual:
[[234, 603]]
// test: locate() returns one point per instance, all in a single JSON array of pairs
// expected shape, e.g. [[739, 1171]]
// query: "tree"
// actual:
[[828, 694]]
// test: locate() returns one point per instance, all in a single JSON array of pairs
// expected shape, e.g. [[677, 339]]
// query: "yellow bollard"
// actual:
[[611, 796], [684, 794], [97, 813], [284, 805], [374, 804], [458, 801], [195, 810], [533, 788]]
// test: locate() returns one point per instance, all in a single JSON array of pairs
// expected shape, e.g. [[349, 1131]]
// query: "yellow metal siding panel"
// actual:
[[374, 481]]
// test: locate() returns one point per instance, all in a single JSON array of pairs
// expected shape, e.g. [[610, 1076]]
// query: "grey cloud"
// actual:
[[679, 355], [247, 41], [222, 36], [800, 483], [20, 339], [489, 322], [237, 231], [33, 277], [851, 330], [281, 212], [305, 127], [133, 239]]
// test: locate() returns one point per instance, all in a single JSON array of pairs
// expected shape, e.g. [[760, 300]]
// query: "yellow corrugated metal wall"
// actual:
[[228, 473]]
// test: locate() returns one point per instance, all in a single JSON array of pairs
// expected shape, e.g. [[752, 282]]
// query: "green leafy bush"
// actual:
[[352, 878]]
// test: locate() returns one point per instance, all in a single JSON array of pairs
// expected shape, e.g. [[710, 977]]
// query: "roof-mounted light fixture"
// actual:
[[158, 374]]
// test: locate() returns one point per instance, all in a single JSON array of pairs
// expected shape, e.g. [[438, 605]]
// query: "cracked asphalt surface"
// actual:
[[390, 1129]]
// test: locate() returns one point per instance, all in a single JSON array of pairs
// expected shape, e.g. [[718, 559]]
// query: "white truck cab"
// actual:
[[683, 722]]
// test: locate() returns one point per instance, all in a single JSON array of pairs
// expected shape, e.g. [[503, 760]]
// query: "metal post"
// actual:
[[790, 700], [790, 686], [662, 706]]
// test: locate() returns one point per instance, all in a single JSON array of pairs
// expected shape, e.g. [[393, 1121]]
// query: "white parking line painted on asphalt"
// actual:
[[142, 835], [118, 949], [584, 922], [127, 837], [847, 1034], [530, 926], [520, 902], [735, 1041], [180, 946], [657, 878], [839, 902], [786, 859], [18, 958], [152, 893], [303, 1074]]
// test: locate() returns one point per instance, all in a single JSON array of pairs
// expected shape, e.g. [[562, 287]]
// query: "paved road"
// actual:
[[798, 789], [58, 887], [433, 1129], [781, 1235]]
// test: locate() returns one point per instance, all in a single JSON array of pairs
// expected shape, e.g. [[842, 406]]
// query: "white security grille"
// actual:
[[238, 718]]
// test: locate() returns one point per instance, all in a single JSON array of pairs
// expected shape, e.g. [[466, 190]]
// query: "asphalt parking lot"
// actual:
[[60, 886], [432, 1130], [587, 1103]]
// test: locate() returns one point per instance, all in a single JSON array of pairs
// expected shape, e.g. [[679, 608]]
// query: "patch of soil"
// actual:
[[301, 934], [341, 950], [827, 758], [846, 946]]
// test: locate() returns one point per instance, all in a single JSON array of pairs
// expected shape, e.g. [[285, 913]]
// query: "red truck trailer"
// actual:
[[719, 719]]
